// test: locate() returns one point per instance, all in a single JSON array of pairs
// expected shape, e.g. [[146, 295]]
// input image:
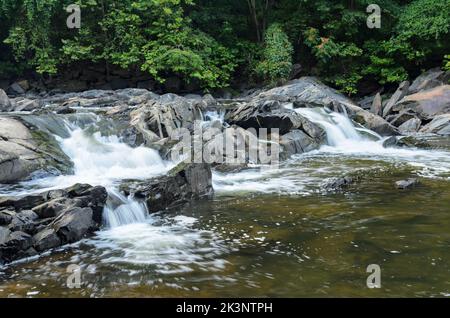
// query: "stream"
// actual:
[[266, 233]]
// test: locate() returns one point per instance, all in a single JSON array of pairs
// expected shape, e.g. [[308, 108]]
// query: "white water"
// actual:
[[304, 173]]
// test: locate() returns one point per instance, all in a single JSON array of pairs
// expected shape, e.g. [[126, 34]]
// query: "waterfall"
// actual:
[[338, 127], [100, 158]]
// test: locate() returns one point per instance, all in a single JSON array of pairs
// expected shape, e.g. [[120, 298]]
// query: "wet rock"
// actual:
[[336, 184], [439, 125], [184, 183], [16, 246], [6, 217], [401, 92], [426, 104], [45, 240], [409, 142], [5, 103], [52, 208], [26, 105], [406, 184], [74, 224], [373, 122], [296, 142]]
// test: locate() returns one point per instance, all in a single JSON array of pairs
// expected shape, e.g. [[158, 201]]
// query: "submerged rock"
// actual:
[[184, 183], [406, 184], [337, 184]]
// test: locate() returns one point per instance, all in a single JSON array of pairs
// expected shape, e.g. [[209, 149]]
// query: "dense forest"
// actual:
[[220, 43]]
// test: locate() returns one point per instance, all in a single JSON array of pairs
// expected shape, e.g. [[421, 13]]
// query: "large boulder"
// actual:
[[159, 119], [184, 183], [310, 92], [24, 152], [439, 125], [5, 103], [430, 79], [74, 224], [427, 104]]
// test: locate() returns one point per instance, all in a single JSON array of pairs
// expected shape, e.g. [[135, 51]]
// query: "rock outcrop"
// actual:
[[33, 224], [184, 183], [24, 152]]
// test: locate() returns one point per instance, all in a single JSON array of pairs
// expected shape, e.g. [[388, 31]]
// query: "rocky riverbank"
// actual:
[[32, 224]]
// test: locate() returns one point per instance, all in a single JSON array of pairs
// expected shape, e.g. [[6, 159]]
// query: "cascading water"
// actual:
[[344, 140]]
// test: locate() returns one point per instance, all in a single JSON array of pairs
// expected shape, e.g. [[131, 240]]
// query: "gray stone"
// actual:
[[428, 80], [410, 126], [5, 103], [406, 184], [427, 104], [439, 125], [401, 92], [377, 106], [184, 183], [74, 224], [45, 240]]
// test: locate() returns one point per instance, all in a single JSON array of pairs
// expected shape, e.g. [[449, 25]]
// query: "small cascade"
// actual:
[[121, 210], [338, 127]]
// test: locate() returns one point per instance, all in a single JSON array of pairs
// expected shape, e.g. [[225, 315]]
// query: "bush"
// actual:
[[276, 65]]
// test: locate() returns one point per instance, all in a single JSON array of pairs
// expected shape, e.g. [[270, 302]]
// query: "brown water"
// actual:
[[266, 243]]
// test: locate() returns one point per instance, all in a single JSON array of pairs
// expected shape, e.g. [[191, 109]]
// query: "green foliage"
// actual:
[[447, 62], [217, 43], [276, 65]]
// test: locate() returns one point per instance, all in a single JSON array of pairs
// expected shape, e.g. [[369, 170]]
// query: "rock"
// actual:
[[410, 126], [23, 202], [427, 104], [16, 89], [51, 208], [310, 92], [24, 85], [336, 184], [6, 217], [403, 117], [23, 222], [45, 240], [406, 184], [409, 142], [372, 121], [401, 92], [4, 234], [377, 105], [184, 183], [16, 246], [5, 103], [159, 119], [24, 151], [296, 142], [26, 105], [74, 224], [428, 80], [439, 125]]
